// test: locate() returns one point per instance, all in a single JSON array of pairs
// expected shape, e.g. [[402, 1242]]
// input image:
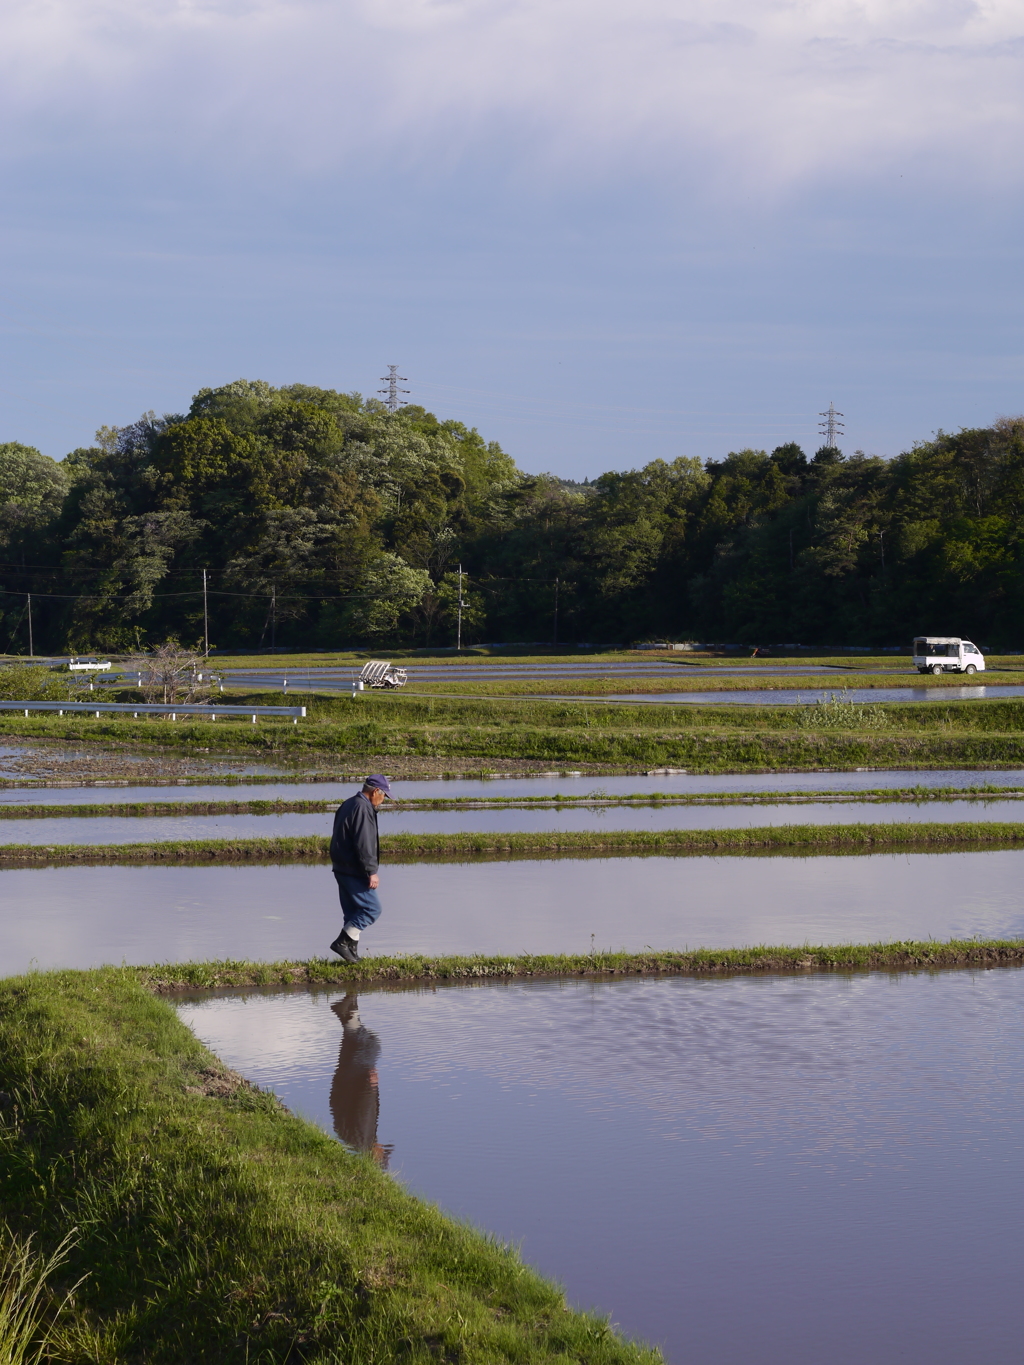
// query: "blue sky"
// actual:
[[599, 232]]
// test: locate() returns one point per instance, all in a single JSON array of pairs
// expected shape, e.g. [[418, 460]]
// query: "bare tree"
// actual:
[[171, 673]]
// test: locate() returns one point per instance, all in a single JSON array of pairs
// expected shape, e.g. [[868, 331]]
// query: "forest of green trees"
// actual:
[[323, 521]]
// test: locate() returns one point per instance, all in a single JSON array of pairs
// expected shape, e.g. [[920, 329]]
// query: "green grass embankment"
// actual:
[[213, 1226], [159, 809], [564, 734], [904, 956], [458, 847]]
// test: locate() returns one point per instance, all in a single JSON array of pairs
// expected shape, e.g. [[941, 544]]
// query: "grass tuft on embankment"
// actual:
[[459, 847], [214, 1226], [903, 956]]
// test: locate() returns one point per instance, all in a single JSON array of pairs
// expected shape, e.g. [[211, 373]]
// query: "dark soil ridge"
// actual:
[[398, 769], [902, 956]]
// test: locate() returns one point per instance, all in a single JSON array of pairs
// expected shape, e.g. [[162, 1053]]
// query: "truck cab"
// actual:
[[947, 654]]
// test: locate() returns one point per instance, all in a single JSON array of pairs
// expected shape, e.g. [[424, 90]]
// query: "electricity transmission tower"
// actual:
[[392, 379], [831, 427]]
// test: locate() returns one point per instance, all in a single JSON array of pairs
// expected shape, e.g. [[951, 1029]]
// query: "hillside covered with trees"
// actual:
[[322, 521]]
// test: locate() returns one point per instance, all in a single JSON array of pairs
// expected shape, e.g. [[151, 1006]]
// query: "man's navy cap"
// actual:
[[379, 781]]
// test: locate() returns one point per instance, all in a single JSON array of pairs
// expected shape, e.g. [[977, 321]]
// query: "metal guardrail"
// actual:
[[132, 708]]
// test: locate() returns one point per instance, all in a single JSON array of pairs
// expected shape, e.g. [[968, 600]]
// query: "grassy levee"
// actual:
[[168, 978], [461, 846], [214, 1226], [468, 732]]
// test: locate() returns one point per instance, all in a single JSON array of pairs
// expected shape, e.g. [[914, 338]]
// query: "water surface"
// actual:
[[112, 829], [783, 1171], [84, 916], [549, 785]]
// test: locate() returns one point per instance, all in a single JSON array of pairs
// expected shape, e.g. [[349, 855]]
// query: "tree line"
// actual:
[[321, 520]]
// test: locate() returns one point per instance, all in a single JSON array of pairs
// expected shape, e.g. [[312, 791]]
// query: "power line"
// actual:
[[268, 594]]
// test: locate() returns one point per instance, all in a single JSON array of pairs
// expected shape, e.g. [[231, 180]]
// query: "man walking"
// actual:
[[355, 857]]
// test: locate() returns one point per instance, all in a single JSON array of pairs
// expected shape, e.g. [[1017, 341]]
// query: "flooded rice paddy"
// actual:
[[43, 832], [783, 1171], [672, 782], [809, 696], [85, 916], [493, 670]]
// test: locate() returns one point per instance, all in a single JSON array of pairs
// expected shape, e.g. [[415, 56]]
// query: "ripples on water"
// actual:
[[783, 1171]]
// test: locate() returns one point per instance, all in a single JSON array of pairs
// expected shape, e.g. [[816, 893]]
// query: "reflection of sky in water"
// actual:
[[806, 697], [578, 785], [731, 1168], [80, 916], [131, 829]]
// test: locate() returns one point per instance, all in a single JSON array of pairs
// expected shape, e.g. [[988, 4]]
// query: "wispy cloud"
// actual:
[[757, 92]]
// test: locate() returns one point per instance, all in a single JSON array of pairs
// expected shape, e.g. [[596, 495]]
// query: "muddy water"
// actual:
[[567, 784], [779, 1171], [83, 916], [132, 829]]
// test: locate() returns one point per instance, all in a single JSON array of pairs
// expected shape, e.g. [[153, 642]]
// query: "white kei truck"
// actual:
[[947, 654]]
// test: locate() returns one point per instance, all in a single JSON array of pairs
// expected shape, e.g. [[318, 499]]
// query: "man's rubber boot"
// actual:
[[345, 948]]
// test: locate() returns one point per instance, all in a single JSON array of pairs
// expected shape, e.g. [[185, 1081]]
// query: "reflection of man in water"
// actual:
[[355, 1099]]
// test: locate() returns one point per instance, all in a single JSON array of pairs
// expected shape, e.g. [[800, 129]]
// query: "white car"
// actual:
[[947, 654]]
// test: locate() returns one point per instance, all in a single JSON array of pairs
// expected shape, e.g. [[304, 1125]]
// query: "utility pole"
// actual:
[[273, 617], [554, 638], [31, 650], [831, 427], [392, 379], [458, 629], [206, 620]]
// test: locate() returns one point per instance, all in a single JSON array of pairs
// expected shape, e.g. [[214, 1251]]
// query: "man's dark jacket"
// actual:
[[355, 847]]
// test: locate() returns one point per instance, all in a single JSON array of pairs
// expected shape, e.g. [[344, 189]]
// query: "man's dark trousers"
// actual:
[[360, 906]]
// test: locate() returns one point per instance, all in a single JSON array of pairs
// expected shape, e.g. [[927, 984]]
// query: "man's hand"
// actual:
[[374, 882]]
